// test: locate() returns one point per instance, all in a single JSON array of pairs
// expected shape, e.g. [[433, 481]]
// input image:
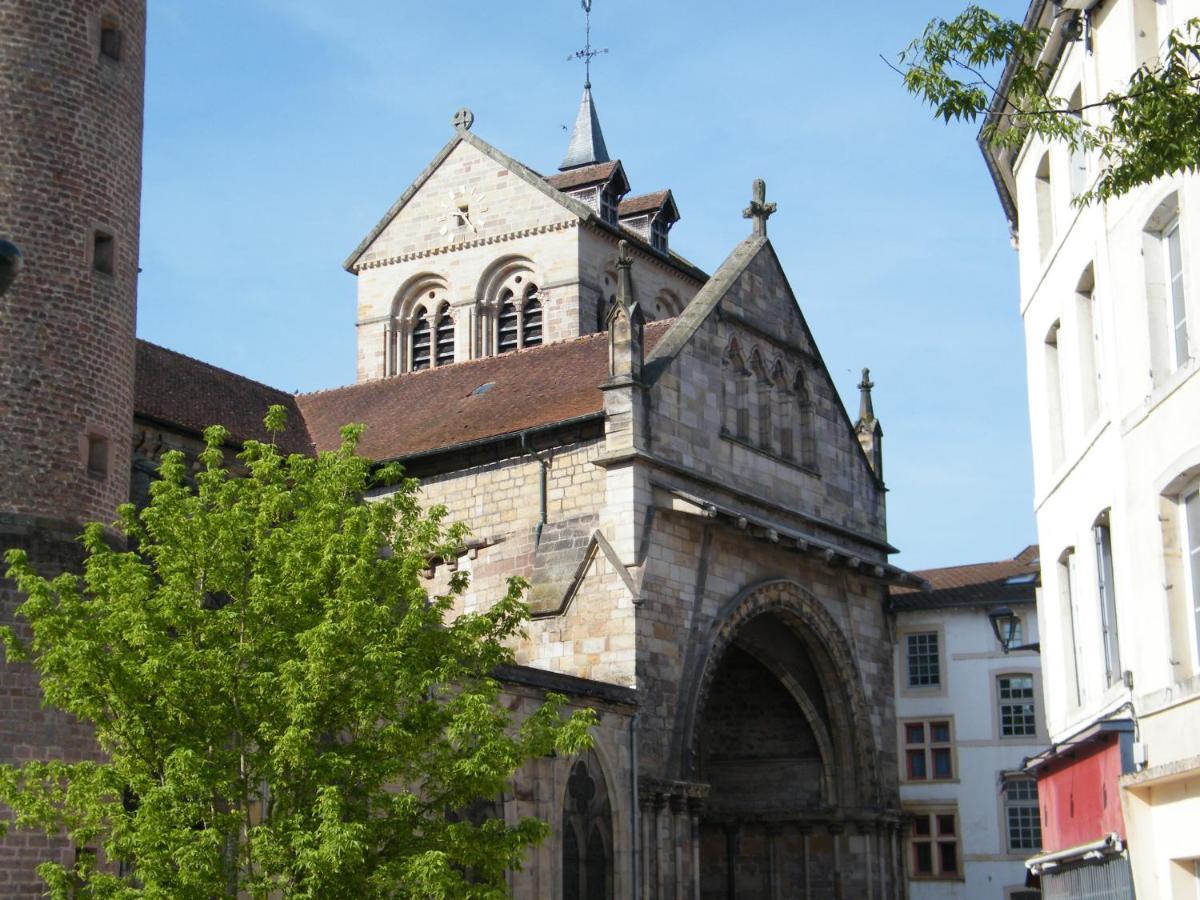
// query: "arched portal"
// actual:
[[781, 735]]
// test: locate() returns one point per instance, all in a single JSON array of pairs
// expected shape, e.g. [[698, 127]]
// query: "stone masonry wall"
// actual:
[[593, 636]]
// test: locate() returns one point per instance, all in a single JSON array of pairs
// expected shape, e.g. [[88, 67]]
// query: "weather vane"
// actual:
[[587, 53]]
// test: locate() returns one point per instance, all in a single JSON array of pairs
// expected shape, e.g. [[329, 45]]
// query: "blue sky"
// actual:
[[279, 131]]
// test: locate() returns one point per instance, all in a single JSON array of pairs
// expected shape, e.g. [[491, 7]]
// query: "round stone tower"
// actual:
[[71, 89]]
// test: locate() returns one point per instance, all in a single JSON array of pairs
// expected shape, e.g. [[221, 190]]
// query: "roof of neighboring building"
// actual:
[[982, 584], [651, 202], [593, 174], [183, 392], [469, 401]]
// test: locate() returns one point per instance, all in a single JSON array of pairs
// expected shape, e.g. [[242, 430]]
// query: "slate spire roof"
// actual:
[[587, 140]]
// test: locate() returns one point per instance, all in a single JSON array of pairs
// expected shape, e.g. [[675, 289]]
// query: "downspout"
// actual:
[[542, 467], [634, 812]]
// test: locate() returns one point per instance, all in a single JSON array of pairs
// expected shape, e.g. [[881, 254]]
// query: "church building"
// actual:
[[661, 452]]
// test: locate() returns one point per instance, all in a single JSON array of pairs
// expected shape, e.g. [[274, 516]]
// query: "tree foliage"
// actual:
[[1148, 128], [283, 709]]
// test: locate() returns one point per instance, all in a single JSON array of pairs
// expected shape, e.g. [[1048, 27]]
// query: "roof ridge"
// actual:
[[215, 368]]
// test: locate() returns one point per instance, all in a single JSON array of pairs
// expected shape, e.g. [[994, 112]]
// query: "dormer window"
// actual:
[[608, 207], [658, 234], [650, 217]]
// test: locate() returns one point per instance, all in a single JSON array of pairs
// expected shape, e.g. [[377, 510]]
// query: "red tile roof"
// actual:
[[586, 175], [468, 401], [188, 394], [983, 584]]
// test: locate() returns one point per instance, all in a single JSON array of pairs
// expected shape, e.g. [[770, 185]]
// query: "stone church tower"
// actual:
[[662, 453], [71, 79]]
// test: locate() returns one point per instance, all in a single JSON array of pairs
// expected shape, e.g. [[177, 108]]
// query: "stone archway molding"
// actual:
[[833, 657]]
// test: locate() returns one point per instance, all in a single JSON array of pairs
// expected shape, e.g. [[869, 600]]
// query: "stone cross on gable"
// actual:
[[759, 209]]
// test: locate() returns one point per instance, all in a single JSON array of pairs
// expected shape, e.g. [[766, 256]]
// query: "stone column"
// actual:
[[806, 843], [899, 888], [836, 829], [678, 837], [662, 861], [732, 833], [649, 852], [866, 831], [695, 805], [774, 874], [881, 853]]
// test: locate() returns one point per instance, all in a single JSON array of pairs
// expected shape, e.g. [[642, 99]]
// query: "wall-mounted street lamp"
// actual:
[[10, 264], [1004, 624]]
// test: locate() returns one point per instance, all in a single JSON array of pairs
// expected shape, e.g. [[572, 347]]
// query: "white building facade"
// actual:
[[968, 714], [1110, 298]]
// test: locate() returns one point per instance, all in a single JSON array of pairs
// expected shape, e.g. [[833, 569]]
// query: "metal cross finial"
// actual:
[[587, 54], [759, 209]]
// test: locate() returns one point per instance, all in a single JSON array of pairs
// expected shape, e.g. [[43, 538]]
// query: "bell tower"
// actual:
[[71, 92]]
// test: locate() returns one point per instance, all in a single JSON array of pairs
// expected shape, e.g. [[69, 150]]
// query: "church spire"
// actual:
[[587, 141]]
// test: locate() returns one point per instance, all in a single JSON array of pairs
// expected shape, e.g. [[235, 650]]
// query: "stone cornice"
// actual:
[[466, 245]]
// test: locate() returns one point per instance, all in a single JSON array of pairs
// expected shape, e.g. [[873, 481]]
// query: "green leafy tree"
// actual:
[[283, 709], [1148, 128]]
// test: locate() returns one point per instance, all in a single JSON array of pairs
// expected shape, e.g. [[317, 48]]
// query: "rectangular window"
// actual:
[[1108, 601], [934, 844], [1017, 717], [102, 252], [1191, 509], [1021, 815], [1066, 597], [924, 669], [1176, 305], [929, 750]]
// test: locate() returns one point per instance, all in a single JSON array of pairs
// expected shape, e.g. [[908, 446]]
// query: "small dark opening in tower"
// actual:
[[97, 458], [102, 252], [110, 39]]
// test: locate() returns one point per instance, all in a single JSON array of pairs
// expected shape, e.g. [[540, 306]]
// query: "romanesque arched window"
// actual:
[[444, 337], [511, 308], [419, 342], [420, 334], [666, 305], [587, 858]]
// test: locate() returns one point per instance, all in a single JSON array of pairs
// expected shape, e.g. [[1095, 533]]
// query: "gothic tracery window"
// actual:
[[587, 835]]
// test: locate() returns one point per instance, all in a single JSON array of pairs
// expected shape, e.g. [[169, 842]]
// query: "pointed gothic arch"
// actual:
[[761, 389], [587, 832], [784, 411], [735, 391], [806, 437], [780, 623]]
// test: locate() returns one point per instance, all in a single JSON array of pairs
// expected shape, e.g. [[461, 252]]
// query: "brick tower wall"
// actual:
[[70, 167]]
